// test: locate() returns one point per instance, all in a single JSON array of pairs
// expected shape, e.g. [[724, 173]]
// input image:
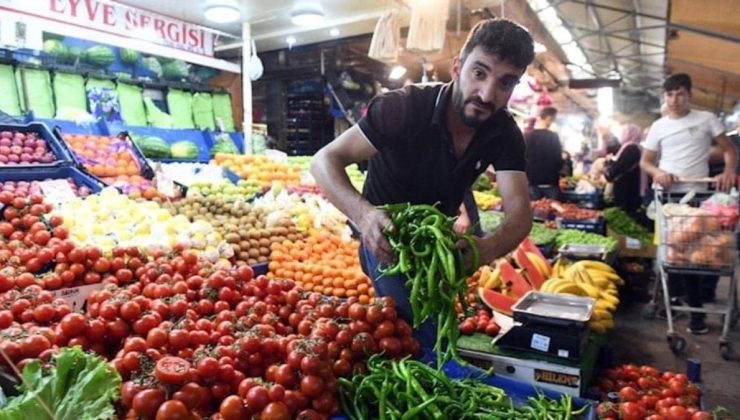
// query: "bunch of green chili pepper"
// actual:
[[426, 246], [408, 389]]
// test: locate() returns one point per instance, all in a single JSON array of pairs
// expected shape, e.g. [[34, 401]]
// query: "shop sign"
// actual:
[[121, 20], [556, 378]]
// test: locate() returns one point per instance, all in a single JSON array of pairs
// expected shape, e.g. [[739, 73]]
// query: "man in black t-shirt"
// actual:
[[428, 143], [544, 157]]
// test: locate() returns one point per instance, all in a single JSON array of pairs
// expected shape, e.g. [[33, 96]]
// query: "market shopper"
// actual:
[[683, 138], [544, 157], [428, 144], [622, 171]]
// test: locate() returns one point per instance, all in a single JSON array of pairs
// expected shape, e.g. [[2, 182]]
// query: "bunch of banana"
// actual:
[[593, 279], [490, 278], [486, 201]]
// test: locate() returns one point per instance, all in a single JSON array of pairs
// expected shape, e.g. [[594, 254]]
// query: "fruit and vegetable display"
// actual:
[[310, 212], [243, 190], [481, 322], [184, 149], [573, 236], [152, 147], [645, 392], [24, 148], [425, 244], [546, 208], [260, 168], [26, 188], [323, 263], [540, 234], [111, 220], [247, 232], [113, 160], [223, 144], [396, 389], [486, 201], [621, 223]]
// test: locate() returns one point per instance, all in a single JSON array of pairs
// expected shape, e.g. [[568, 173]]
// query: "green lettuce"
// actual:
[[78, 386]]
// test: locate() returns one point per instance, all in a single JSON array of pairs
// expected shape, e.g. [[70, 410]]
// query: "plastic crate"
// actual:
[[592, 225], [70, 127], [64, 156], [593, 200], [80, 178], [169, 136]]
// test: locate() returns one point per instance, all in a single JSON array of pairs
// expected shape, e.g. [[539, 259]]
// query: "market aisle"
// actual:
[[636, 340]]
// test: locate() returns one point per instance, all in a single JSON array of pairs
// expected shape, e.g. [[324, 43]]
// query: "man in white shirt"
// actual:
[[683, 137]]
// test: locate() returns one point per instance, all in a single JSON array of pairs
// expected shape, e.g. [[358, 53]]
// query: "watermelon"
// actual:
[[153, 147], [99, 56], [519, 285], [55, 47], [496, 301], [533, 274], [152, 64], [175, 70], [224, 144], [128, 56], [184, 150]]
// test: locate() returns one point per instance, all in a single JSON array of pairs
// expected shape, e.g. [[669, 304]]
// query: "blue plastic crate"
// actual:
[[96, 128], [80, 178], [64, 157], [170, 136], [593, 225], [593, 200]]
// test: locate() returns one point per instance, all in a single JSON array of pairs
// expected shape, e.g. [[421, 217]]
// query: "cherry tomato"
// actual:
[[257, 398], [173, 410], [146, 402], [276, 410], [232, 408]]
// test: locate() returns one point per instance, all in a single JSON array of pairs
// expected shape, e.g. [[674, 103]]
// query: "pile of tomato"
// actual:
[[645, 393], [481, 322]]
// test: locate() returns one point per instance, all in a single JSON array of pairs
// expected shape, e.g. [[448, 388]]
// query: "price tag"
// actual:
[[563, 353], [540, 342], [165, 184], [57, 191], [76, 296], [632, 243]]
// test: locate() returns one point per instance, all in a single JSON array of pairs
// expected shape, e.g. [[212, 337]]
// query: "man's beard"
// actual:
[[471, 121]]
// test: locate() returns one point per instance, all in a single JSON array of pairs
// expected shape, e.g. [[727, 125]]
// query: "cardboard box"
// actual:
[[546, 375], [76, 297], [631, 247]]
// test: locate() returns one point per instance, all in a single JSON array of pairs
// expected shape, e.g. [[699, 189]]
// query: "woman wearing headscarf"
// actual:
[[623, 171]]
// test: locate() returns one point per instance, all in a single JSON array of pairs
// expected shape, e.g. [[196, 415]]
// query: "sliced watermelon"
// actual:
[[529, 246], [496, 301], [519, 285], [534, 276]]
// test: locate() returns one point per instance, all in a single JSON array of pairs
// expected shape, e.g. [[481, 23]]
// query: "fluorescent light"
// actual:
[[290, 40], [334, 32], [605, 101], [397, 72], [222, 11], [307, 17]]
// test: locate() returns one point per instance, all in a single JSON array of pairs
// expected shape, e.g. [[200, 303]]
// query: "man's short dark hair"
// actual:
[[503, 38], [677, 81], [548, 111]]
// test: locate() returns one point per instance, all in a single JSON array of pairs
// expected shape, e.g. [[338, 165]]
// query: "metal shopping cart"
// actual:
[[694, 239]]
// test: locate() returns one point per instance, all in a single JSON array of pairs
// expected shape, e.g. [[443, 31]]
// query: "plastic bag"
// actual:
[[132, 104], [69, 91], [222, 110], [8, 91], [34, 91], [203, 111], [157, 117], [180, 104]]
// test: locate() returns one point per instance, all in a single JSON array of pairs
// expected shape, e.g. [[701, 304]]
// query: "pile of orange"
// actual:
[[322, 263], [260, 168], [108, 159]]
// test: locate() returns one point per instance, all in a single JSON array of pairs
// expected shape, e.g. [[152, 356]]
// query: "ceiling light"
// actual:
[[334, 32], [290, 40], [397, 72], [307, 15], [222, 11], [539, 47]]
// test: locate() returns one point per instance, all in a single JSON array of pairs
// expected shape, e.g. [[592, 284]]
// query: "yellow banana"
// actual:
[[608, 323], [600, 314], [597, 327], [598, 279], [592, 291], [485, 272], [598, 265], [571, 289], [609, 298], [605, 305], [551, 285], [494, 280], [539, 263]]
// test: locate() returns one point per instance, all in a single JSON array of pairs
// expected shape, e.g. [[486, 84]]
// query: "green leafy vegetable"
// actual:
[[572, 236], [79, 386], [621, 223], [540, 234]]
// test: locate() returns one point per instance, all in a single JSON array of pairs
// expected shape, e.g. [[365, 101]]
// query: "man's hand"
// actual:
[[725, 180], [665, 179], [462, 224], [371, 226]]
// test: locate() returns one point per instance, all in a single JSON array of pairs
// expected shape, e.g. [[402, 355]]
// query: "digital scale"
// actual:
[[551, 324]]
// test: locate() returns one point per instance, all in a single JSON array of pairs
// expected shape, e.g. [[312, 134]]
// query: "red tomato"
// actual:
[[628, 394], [276, 410], [677, 413], [257, 398], [701, 415], [312, 386], [146, 402], [172, 370], [232, 408], [631, 411], [191, 394], [173, 410]]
